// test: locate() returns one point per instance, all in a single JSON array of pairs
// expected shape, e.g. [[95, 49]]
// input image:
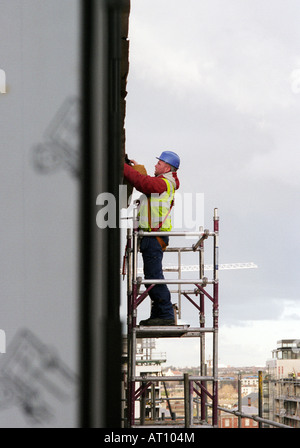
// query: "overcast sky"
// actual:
[[219, 83]]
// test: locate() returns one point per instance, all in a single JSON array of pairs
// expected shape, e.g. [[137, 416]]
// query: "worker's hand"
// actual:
[[129, 161]]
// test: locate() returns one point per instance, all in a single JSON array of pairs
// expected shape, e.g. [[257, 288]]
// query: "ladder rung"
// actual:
[[176, 281], [172, 378], [171, 331]]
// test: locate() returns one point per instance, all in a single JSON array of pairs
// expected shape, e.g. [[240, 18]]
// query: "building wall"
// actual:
[[281, 401], [287, 402]]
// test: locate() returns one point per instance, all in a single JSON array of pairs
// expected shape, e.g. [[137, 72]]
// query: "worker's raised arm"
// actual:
[[144, 183]]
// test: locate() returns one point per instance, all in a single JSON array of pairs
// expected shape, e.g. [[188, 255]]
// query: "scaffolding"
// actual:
[[135, 385]]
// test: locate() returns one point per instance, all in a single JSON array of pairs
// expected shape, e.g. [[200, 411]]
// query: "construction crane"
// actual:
[[208, 267]]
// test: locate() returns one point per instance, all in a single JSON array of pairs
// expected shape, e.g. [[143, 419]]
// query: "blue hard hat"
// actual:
[[170, 157]]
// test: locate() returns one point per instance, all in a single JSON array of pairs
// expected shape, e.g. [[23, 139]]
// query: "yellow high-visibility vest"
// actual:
[[154, 210]]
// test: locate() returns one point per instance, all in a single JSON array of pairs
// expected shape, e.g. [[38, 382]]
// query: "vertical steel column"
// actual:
[[202, 335], [191, 391], [153, 404], [101, 171], [131, 416], [187, 417], [129, 324], [260, 395], [215, 317], [143, 404], [239, 400], [179, 286], [129, 277], [134, 276]]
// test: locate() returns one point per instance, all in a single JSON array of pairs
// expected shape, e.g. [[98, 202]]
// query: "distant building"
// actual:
[[227, 420], [249, 384], [170, 372], [281, 388], [285, 362]]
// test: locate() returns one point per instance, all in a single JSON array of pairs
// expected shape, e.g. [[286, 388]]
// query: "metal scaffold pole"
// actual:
[[202, 335], [215, 317], [137, 385]]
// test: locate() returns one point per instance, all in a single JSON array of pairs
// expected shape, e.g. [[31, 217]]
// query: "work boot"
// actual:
[[157, 322]]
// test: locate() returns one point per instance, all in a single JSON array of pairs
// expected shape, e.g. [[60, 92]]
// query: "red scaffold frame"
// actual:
[[193, 384]]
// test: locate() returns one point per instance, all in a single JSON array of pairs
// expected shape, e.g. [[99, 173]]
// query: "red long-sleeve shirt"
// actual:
[[147, 184]]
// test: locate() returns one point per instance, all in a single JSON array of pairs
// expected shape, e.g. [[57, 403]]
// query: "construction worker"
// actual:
[[154, 215]]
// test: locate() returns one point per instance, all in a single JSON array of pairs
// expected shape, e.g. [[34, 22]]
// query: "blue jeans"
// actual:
[[152, 254]]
